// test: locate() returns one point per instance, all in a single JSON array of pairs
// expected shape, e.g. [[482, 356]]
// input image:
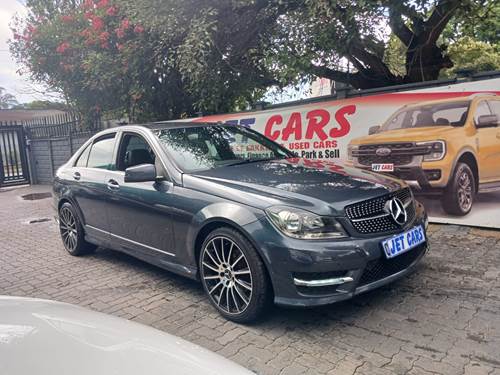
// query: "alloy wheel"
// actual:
[[464, 191], [226, 274], [68, 228]]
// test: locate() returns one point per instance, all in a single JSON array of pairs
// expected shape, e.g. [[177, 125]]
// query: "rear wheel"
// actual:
[[72, 232], [233, 276], [460, 192]]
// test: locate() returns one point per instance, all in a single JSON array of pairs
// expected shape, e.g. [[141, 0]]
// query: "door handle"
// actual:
[[77, 176], [113, 185]]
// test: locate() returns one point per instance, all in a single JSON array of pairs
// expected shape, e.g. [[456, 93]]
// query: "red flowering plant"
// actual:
[[83, 51]]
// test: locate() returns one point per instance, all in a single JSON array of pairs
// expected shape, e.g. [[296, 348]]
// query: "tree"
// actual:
[[471, 40], [479, 21], [165, 59], [102, 56], [43, 104], [328, 34], [298, 40], [6, 100], [470, 54]]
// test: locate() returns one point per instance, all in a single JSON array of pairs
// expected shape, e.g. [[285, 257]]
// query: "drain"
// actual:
[[36, 196], [41, 220]]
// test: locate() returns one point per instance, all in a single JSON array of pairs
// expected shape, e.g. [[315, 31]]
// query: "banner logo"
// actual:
[[388, 167], [383, 151]]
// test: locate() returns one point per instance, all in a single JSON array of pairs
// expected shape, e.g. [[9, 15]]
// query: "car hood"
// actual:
[[319, 186], [429, 133], [51, 338]]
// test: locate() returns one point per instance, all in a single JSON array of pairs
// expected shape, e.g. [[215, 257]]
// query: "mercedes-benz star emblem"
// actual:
[[383, 151], [397, 210]]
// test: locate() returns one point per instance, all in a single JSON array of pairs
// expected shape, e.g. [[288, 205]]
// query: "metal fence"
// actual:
[[13, 162], [49, 142]]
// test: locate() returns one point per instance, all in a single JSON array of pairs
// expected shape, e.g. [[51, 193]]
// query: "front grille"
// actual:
[[381, 268], [401, 153], [370, 216]]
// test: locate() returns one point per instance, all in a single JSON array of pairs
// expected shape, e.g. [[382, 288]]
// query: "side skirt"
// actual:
[[140, 251]]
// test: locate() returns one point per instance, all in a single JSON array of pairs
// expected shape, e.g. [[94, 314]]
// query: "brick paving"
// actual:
[[444, 319]]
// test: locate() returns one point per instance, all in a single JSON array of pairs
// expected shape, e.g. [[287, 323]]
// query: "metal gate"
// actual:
[[13, 160]]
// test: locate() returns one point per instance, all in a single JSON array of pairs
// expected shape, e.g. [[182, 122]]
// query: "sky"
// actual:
[[16, 85]]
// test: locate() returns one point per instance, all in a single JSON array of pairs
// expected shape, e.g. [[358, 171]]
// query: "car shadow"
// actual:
[[310, 319], [130, 263]]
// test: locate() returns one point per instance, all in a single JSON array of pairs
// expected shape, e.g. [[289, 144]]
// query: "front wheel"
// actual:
[[233, 276], [460, 192], [72, 232]]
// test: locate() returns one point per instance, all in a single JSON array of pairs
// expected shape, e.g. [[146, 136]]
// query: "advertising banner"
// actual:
[[444, 141]]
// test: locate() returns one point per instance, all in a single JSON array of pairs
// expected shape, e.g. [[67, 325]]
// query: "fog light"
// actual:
[[433, 174]]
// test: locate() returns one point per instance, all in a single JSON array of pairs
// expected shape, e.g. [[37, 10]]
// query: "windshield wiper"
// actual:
[[246, 161]]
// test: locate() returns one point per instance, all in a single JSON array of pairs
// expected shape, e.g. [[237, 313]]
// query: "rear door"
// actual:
[[88, 183], [140, 213], [494, 149]]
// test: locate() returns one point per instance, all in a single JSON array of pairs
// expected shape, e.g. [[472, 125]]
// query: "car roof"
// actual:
[[452, 100], [96, 343], [167, 125]]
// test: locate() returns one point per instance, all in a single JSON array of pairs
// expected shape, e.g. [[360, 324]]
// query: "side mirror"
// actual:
[[140, 173], [487, 121], [373, 129]]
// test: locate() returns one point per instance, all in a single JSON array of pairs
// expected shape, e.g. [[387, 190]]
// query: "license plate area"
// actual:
[[403, 242]]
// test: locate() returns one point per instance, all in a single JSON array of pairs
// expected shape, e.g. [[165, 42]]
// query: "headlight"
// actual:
[[436, 150], [298, 223], [350, 149]]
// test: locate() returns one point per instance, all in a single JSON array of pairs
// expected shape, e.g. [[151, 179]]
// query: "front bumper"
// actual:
[[424, 176], [313, 273]]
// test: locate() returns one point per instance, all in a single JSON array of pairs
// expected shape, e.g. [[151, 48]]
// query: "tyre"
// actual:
[[234, 276], [460, 192], [72, 232]]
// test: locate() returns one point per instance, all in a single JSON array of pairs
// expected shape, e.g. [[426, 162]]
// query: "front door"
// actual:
[[140, 212]]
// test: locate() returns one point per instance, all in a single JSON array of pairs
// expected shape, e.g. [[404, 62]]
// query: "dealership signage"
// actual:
[[400, 133]]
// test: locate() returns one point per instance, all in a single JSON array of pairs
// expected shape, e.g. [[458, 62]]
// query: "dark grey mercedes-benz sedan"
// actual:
[[253, 222]]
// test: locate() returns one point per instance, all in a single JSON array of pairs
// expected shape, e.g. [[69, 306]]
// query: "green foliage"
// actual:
[[479, 20], [105, 55], [394, 56], [468, 53]]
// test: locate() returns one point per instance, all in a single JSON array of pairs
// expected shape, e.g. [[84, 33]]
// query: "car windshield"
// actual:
[[439, 114], [199, 148]]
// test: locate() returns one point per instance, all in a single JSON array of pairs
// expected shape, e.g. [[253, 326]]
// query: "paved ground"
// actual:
[[444, 319]]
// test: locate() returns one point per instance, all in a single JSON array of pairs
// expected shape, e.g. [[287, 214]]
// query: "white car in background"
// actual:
[[52, 338]]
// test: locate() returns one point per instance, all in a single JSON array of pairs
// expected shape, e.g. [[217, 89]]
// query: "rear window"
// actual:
[[439, 114], [82, 159], [101, 153]]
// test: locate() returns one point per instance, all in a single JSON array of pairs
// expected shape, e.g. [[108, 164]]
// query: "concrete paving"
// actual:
[[443, 319]]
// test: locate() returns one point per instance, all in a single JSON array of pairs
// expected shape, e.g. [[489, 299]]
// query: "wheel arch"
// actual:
[[219, 215], [67, 199], [468, 157]]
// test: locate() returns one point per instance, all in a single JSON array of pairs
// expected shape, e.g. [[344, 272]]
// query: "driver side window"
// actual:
[[134, 150], [482, 109]]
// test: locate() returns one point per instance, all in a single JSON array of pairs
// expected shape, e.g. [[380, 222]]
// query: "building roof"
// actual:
[[26, 114]]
